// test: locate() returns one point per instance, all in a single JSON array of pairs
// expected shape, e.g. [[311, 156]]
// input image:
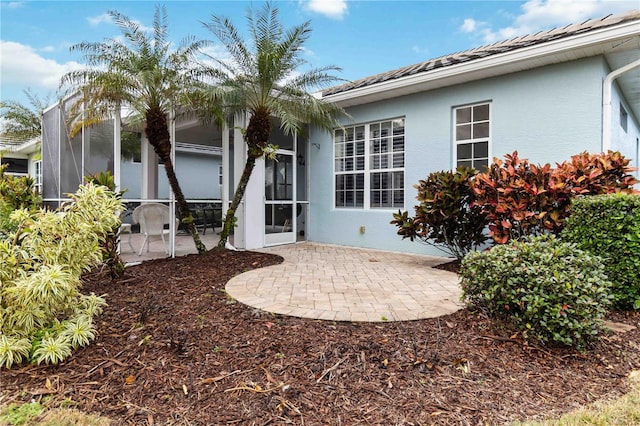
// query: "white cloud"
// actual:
[[335, 9], [423, 51], [22, 66], [105, 18], [94, 21], [468, 26], [539, 15]]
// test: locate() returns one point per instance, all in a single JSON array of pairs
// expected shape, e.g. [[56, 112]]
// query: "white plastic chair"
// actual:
[[152, 218]]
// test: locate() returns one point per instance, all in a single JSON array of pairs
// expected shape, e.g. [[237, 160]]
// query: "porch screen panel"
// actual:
[[70, 156], [51, 153], [98, 148]]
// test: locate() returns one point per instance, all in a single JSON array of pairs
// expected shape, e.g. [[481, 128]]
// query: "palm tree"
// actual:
[[20, 122], [263, 79], [142, 72]]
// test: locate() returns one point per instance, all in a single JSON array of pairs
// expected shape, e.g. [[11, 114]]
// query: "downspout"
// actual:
[[607, 86]]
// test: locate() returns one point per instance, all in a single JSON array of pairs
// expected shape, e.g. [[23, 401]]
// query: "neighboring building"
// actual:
[[23, 159], [549, 95]]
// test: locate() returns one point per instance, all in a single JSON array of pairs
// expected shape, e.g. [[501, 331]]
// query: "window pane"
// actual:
[[464, 151], [340, 182], [398, 126], [398, 180], [464, 163], [463, 115], [359, 163], [360, 148], [398, 198], [348, 149], [463, 132], [375, 181], [348, 165], [339, 150], [385, 128], [480, 164], [398, 160], [481, 112], [481, 150], [360, 133], [374, 131], [349, 135], [339, 136], [339, 199], [375, 162], [481, 130], [359, 198], [398, 144], [348, 181]]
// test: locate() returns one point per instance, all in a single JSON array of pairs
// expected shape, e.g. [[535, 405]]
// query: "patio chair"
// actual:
[[152, 218]]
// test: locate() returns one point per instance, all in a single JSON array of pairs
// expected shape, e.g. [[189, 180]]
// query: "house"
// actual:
[[548, 95], [22, 158]]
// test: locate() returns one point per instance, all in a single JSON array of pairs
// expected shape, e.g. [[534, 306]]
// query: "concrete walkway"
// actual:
[[348, 284]]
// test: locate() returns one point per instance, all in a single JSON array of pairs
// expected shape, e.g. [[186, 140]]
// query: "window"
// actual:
[[472, 136], [16, 166], [369, 165], [624, 117], [37, 169]]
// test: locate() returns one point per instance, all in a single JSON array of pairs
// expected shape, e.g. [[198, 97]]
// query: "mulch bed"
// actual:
[[174, 349]]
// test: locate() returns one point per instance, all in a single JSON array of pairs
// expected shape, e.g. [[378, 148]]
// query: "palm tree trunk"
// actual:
[[157, 131], [230, 217]]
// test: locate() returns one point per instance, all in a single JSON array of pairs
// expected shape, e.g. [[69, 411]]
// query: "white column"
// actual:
[[172, 196], [239, 159], [117, 150], [149, 188], [225, 169]]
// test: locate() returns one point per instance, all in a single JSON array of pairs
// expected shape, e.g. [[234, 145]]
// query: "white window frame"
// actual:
[[37, 175], [472, 140], [624, 118], [368, 171]]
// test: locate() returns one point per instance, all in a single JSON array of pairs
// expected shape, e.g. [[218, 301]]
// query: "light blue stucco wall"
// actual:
[[626, 141], [197, 174], [547, 114]]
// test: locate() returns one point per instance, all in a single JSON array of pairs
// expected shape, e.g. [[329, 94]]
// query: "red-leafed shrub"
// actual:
[[520, 198], [444, 216]]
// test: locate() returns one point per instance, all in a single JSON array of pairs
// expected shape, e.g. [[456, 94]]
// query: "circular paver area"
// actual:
[[340, 283]]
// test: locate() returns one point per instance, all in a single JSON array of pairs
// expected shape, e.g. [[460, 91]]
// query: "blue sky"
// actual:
[[361, 37]]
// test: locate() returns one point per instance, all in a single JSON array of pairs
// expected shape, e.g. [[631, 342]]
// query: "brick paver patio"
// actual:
[[349, 284]]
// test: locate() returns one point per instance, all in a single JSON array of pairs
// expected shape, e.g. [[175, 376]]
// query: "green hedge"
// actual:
[[548, 289], [609, 226]]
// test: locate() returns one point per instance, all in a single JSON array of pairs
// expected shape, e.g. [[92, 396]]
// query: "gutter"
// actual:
[[607, 87]]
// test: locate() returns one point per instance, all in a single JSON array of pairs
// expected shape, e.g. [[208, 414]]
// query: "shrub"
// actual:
[[16, 192], [522, 199], [43, 316], [609, 226], [445, 216], [110, 253], [550, 290]]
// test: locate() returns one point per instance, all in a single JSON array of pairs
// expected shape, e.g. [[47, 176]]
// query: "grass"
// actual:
[[623, 411]]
